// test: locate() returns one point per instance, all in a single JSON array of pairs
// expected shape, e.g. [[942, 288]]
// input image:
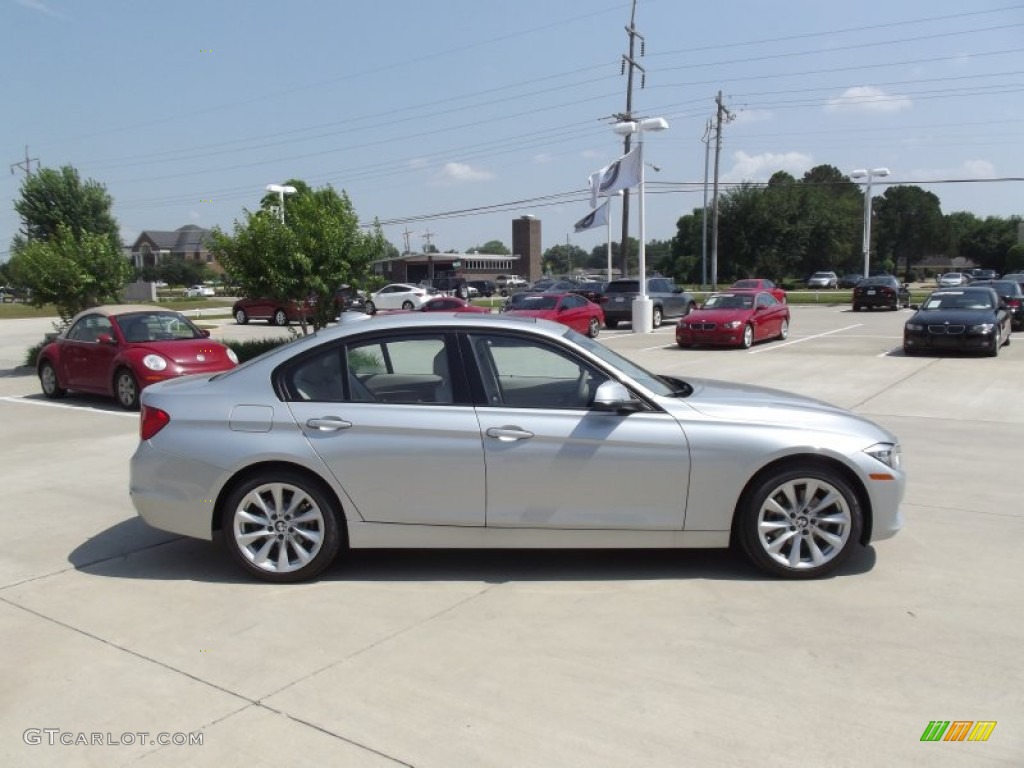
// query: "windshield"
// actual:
[[537, 302], [959, 300], [157, 326], [729, 301], [656, 384]]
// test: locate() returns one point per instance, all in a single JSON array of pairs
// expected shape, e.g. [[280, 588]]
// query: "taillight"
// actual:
[[1014, 303], [151, 421]]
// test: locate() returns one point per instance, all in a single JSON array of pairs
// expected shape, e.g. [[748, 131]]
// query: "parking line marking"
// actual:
[[26, 401], [805, 338]]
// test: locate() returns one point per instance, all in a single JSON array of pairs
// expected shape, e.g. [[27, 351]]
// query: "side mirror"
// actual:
[[613, 396], [106, 338], [677, 289], [206, 334]]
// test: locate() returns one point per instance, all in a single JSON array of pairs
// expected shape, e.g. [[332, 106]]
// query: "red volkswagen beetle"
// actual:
[[760, 284], [735, 318], [120, 350], [567, 308]]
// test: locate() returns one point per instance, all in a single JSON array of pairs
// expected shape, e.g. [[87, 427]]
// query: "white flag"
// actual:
[[596, 218], [622, 174]]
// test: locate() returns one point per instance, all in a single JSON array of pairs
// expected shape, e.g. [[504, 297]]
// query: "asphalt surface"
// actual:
[[450, 659]]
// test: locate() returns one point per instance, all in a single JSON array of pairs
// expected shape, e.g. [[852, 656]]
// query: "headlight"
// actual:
[[154, 362], [914, 326], [732, 325], [232, 356], [983, 328], [887, 453]]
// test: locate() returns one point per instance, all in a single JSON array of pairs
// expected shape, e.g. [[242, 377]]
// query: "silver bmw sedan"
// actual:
[[474, 430]]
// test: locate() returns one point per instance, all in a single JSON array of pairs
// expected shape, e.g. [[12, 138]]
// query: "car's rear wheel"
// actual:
[[611, 323], [593, 328], [280, 317], [370, 308], [282, 526], [126, 389], [49, 382], [241, 316], [799, 523], [748, 337], [784, 330], [408, 305], [656, 317]]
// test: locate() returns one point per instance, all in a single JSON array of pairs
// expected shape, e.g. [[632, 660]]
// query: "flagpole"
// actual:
[[609, 223]]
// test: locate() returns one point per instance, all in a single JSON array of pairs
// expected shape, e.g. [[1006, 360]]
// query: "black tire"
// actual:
[[997, 342], [611, 324], [49, 382], [280, 317], [408, 305], [370, 308], [271, 552], [784, 330], [241, 316], [126, 389], [656, 317], [768, 525], [909, 351], [593, 328], [856, 307], [748, 336]]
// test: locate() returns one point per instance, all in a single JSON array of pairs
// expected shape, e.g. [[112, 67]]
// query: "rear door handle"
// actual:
[[509, 434], [328, 424]]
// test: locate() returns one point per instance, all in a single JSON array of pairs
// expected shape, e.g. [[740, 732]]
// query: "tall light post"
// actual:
[[869, 174], [642, 306], [281, 190]]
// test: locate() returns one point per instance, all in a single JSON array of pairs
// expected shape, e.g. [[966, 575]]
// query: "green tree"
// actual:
[[564, 259], [495, 247], [73, 271], [909, 225], [988, 244], [317, 248]]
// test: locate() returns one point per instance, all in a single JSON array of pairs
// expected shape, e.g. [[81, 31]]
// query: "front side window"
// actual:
[[89, 328]]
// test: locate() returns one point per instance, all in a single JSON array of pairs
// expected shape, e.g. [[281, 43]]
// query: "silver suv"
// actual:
[[669, 300]]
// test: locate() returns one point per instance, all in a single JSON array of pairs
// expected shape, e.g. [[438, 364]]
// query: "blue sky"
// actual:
[[455, 116]]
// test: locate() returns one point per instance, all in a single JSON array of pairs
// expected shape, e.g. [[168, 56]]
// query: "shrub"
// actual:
[[247, 350]]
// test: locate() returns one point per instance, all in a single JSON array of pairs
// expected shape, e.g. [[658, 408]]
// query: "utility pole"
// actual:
[[704, 211], [629, 63], [426, 236], [723, 115], [406, 234], [26, 164]]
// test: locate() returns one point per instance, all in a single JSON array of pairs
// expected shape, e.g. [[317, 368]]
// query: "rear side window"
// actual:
[[623, 286]]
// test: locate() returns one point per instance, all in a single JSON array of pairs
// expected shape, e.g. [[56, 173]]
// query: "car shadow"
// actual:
[[82, 401], [133, 550]]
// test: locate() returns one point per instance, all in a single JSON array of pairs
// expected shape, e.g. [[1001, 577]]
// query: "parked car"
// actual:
[[448, 286], [953, 280], [195, 291], [760, 284], [735, 318], [591, 290], [667, 298], [399, 296], [850, 280], [120, 350], [823, 280], [963, 319], [274, 311], [530, 413], [508, 283], [450, 304], [984, 274], [884, 291], [349, 299], [485, 288], [567, 308], [1012, 294]]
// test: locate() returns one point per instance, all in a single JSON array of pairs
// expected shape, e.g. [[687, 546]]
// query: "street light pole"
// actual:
[[869, 174], [281, 190], [642, 306]]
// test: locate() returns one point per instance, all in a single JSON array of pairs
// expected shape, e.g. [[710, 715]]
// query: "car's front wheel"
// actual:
[[370, 308], [241, 316], [784, 330], [49, 382], [280, 317], [748, 337], [282, 526], [408, 305], [799, 523], [593, 328], [126, 390], [656, 317]]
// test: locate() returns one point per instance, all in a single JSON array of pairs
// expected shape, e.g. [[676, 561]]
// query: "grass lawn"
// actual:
[[17, 310]]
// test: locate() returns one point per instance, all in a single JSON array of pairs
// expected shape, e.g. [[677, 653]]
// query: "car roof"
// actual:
[[112, 310]]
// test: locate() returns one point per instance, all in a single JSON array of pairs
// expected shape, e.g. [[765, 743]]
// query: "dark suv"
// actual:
[[668, 299], [882, 291]]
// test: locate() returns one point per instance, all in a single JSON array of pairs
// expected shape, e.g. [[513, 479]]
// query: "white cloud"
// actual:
[[460, 173], [754, 115], [194, 215], [969, 169], [867, 98], [542, 158], [40, 7], [417, 163], [762, 167]]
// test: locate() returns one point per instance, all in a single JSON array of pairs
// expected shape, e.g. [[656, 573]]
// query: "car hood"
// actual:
[[747, 403], [723, 315], [185, 351], [953, 316]]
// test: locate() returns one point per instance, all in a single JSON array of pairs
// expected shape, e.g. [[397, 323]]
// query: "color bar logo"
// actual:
[[958, 730]]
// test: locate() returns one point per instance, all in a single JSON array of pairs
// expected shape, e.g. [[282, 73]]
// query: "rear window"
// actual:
[[623, 286]]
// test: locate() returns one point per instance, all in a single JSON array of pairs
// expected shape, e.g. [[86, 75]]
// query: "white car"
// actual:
[[199, 290], [953, 280], [399, 296], [823, 280]]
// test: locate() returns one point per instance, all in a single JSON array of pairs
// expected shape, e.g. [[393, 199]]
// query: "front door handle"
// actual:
[[328, 424], [509, 434]]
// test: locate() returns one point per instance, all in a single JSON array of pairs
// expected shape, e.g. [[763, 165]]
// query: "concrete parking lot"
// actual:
[[444, 659]]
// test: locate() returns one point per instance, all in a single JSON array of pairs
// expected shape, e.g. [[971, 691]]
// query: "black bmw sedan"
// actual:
[[965, 319]]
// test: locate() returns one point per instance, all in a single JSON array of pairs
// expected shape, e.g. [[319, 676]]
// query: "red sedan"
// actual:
[[451, 304], [760, 284], [735, 318], [567, 308], [120, 350]]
